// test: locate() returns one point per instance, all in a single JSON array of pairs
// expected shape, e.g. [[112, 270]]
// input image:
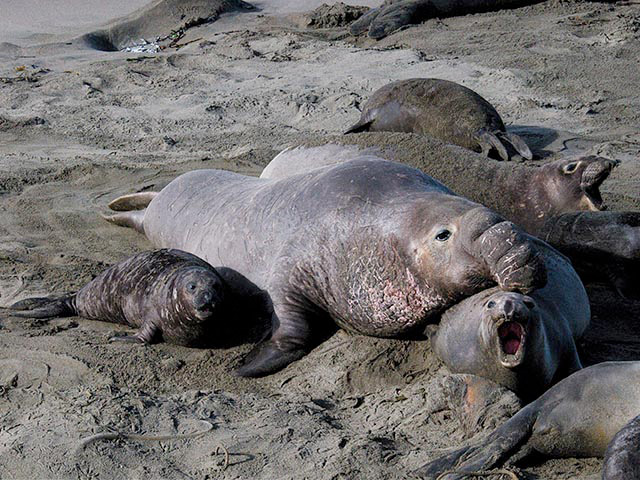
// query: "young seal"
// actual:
[[523, 342], [169, 295], [395, 14], [622, 458], [577, 417], [559, 202], [377, 247], [444, 110]]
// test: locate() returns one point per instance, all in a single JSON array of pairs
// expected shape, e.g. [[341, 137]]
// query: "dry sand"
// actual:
[[79, 127]]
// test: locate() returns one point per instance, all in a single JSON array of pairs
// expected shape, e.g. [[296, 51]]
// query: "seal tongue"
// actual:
[[510, 334]]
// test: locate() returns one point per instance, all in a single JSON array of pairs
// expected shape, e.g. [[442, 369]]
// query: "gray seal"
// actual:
[[371, 246], [442, 109], [169, 295], [577, 417], [523, 342], [622, 458]]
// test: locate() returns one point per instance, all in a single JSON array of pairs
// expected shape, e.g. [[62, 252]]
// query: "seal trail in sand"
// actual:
[[374, 247]]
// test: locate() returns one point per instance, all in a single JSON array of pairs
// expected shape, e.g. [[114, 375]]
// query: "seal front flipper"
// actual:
[[133, 219], [267, 358], [148, 333], [133, 201], [45, 307]]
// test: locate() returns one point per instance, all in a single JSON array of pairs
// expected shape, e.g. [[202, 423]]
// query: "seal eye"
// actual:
[[570, 168], [443, 235], [529, 303], [491, 304], [191, 287]]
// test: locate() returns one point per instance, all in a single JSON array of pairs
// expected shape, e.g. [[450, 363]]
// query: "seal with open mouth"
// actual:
[[523, 342]]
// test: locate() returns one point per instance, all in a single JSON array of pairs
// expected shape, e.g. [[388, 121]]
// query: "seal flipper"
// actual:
[[39, 307], [488, 140], [133, 219], [397, 16], [517, 143], [267, 358], [133, 201], [361, 126], [147, 333]]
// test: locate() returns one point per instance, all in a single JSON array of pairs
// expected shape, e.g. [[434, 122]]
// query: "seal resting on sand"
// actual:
[[442, 109], [168, 295], [577, 417], [376, 247], [395, 14], [622, 458], [523, 342]]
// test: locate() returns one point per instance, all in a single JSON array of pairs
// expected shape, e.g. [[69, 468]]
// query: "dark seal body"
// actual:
[[622, 458], [442, 109], [373, 246], [577, 417], [523, 342], [167, 294]]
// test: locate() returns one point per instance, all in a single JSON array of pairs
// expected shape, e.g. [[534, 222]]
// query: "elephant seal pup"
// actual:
[[169, 295], [442, 109], [396, 14], [622, 458], [577, 417], [372, 246], [523, 342]]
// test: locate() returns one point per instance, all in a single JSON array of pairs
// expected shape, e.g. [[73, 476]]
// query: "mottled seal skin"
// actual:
[[372, 246], [622, 458], [170, 295], [559, 202], [396, 14], [442, 109], [577, 417], [523, 342]]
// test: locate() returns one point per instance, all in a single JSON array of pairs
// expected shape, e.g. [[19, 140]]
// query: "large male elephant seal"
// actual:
[[395, 14], [169, 295], [559, 202], [379, 247], [622, 458], [444, 110], [523, 342], [578, 417]]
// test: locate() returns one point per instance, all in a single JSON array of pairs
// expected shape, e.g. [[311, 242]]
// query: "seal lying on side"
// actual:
[[550, 201], [169, 295], [525, 343], [622, 458], [395, 14], [578, 417], [378, 247], [444, 110]]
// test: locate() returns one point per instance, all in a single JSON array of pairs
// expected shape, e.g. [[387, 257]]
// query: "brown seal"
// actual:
[[442, 109], [169, 295]]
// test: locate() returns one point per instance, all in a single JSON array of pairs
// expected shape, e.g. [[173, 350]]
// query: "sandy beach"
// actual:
[[80, 126]]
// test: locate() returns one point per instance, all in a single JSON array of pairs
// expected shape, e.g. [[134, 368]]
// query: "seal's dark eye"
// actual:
[[191, 287], [491, 304], [443, 235], [570, 167]]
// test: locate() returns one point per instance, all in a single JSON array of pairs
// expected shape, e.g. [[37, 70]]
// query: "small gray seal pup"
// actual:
[[371, 246], [523, 342], [169, 295], [577, 417], [442, 109], [622, 458], [396, 14]]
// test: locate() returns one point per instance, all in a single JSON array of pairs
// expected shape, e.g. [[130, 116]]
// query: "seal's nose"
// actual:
[[204, 299]]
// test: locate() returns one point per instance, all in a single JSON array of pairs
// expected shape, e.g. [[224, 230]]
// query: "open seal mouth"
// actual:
[[592, 178], [511, 339]]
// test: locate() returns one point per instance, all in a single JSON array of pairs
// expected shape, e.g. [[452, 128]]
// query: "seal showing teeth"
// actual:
[[511, 336]]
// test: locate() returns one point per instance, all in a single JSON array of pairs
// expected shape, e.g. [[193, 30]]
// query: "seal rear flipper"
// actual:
[[148, 333], [488, 141], [39, 307], [361, 126], [517, 143], [133, 201], [267, 358], [133, 219]]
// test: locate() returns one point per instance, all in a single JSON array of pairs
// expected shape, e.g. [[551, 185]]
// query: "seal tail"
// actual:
[[133, 201], [361, 126], [39, 307], [133, 219]]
